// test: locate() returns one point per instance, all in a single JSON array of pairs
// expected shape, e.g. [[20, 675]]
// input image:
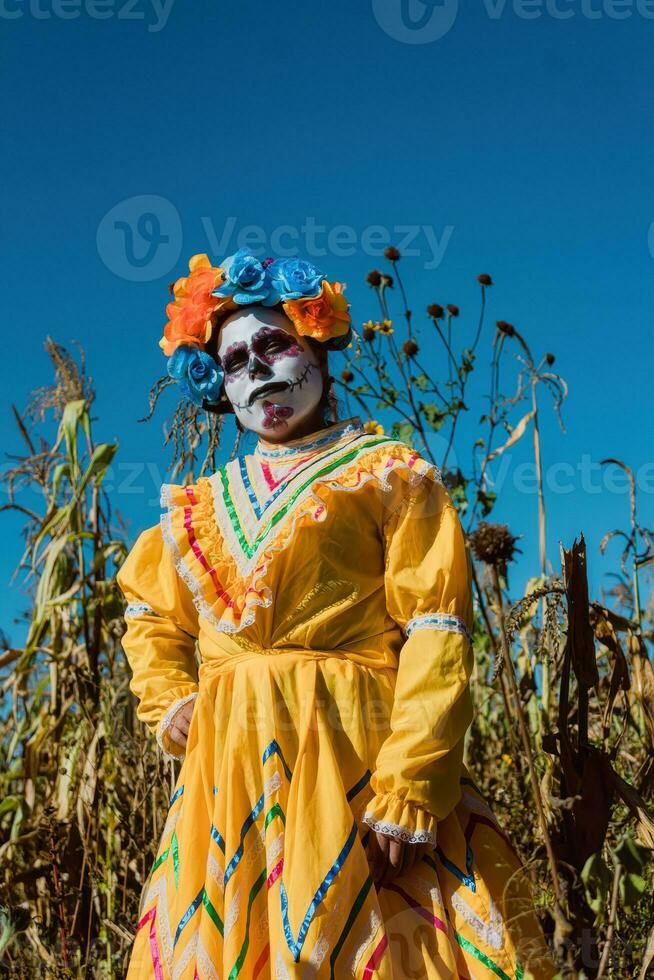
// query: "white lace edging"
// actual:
[[134, 609], [405, 834], [445, 622], [332, 435], [165, 722], [416, 473]]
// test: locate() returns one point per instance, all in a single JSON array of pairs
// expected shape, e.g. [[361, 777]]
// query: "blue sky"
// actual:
[[520, 139]]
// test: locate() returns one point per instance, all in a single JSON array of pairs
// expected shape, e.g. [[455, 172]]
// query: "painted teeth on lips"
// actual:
[[267, 389]]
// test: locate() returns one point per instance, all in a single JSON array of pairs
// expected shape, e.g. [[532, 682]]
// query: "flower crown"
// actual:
[[317, 308]]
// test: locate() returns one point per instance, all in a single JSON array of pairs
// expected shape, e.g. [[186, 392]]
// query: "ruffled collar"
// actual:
[[312, 443]]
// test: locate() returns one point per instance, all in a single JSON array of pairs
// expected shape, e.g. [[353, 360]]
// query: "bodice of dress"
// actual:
[[283, 548]]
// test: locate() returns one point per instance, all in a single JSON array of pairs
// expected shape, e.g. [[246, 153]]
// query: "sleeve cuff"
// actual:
[[404, 821], [169, 748]]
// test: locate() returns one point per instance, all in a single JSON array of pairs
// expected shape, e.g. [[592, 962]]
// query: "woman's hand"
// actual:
[[177, 731], [389, 858]]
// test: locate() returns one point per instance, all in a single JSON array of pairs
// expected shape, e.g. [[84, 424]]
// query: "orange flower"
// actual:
[[188, 324], [190, 317], [321, 317]]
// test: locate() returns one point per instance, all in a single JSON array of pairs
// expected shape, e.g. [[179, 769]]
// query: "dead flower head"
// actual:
[[493, 543]]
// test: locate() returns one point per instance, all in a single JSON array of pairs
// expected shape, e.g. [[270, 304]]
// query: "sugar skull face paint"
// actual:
[[272, 377]]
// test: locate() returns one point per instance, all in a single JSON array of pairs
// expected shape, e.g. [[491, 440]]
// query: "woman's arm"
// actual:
[[427, 582], [160, 641]]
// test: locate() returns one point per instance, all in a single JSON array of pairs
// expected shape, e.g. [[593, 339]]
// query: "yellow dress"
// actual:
[[324, 588]]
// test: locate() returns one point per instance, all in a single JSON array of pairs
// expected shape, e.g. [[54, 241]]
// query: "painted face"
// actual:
[[272, 377]]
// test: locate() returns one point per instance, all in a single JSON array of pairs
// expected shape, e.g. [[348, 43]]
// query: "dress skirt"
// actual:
[[262, 869]]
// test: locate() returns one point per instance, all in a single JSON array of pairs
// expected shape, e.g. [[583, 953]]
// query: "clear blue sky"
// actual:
[[524, 145]]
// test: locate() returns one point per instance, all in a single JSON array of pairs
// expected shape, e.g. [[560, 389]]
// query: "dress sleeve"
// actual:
[[428, 593], [160, 640]]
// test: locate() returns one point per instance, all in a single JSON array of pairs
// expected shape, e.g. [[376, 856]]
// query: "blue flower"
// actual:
[[295, 278], [198, 375], [247, 281]]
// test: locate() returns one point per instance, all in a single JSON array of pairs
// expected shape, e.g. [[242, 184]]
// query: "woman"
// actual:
[[323, 824]]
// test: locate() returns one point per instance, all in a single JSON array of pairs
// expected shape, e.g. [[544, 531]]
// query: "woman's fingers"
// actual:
[[410, 857], [377, 854], [186, 711], [395, 857], [181, 722], [176, 736], [390, 858]]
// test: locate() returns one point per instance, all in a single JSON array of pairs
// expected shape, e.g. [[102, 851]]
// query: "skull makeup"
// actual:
[[272, 376]]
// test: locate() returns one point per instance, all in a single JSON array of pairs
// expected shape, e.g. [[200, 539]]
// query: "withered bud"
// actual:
[[484, 279], [436, 311], [452, 309], [347, 376], [506, 328], [410, 348], [374, 278], [392, 253], [368, 333], [493, 543], [387, 281], [550, 359]]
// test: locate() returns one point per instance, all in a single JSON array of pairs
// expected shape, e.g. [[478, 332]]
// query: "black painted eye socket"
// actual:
[[233, 364], [275, 344]]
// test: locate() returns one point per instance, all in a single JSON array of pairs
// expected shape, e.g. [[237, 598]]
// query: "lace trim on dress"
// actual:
[[310, 443], [166, 721], [134, 609], [406, 834], [438, 621]]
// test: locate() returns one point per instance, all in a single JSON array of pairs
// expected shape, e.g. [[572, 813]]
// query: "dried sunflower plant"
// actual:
[[563, 733]]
